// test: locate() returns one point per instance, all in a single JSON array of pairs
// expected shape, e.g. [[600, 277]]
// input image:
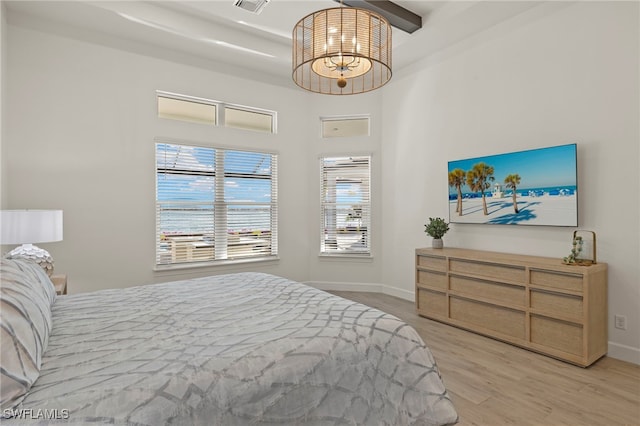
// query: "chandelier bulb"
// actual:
[[342, 82]]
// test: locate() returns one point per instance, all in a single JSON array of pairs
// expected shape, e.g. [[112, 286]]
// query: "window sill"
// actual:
[[213, 264], [346, 256]]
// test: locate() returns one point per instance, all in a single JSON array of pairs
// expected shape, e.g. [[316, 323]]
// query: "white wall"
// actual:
[[82, 124], [570, 76], [83, 121], [346, 273]]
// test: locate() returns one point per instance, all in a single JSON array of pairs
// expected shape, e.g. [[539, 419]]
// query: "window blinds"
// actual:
[[345, 205], [214, 204]]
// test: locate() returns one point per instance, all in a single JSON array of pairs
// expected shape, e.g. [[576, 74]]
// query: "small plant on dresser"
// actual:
[[436, 228]]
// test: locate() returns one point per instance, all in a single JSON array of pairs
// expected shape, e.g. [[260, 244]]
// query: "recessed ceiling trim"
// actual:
[[174, 31], [397, 16]]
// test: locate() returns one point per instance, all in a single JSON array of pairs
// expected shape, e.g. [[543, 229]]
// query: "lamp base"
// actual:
[[33, 254]]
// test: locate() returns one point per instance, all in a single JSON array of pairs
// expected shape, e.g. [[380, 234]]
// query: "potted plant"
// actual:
[[436, 228]]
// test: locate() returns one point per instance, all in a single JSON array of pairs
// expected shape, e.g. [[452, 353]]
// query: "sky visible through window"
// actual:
[[348, 193], [348, 186], [241, 182]]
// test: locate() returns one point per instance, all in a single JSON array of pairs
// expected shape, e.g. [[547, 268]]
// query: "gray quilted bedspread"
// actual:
[[234, 349]]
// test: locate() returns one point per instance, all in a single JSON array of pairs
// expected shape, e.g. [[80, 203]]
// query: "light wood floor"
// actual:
[[494, 383]]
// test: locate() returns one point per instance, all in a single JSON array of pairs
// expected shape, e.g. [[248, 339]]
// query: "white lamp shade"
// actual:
[[30, 226]]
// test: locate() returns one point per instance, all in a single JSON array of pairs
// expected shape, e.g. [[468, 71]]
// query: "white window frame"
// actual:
[[341, 119], [331, 231], [220, 110], [164, 260]]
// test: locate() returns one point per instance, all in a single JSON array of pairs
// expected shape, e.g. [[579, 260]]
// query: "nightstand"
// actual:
[[60, 283]]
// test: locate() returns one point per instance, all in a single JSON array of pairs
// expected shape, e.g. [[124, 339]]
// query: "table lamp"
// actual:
[[27, 227]]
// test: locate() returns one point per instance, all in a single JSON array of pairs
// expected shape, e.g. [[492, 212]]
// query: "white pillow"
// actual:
[[26, 296]]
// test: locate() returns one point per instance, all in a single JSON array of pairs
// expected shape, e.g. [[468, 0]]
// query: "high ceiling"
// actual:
[[258, 46]]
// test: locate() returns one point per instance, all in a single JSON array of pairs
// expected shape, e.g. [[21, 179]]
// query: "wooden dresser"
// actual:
[[537, 303]]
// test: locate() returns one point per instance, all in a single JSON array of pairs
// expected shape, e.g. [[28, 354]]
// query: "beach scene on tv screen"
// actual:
[[535, 187]]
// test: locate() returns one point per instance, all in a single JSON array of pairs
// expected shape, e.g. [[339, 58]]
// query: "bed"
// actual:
[[236, 349]]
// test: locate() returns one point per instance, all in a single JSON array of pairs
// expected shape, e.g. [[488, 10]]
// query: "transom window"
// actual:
[[344, 127], [192, 109], [345, 205], [214, 204]]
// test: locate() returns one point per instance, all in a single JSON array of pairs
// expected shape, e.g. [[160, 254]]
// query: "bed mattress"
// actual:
[[247, 348]]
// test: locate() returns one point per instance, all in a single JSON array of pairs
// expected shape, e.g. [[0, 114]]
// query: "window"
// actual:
[[249, 120], [343, 127], [206, 111], [345, 204], [187, 110], [214, 204]]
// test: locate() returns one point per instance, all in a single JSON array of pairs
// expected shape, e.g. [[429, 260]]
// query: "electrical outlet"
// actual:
[[620, 322]]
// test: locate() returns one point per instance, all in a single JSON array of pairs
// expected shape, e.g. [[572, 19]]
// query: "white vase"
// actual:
[[436, 243]]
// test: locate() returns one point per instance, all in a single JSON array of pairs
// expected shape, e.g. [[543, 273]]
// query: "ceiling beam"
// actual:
[[397, 16]]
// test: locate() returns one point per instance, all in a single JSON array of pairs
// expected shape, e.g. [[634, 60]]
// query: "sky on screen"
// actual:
[[539, 168]]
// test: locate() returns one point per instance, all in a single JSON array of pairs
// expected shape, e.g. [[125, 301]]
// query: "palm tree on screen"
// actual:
[[456, 179], [511, 182], [479, 179]]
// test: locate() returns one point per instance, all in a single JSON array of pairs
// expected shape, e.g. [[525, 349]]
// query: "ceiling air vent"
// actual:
[[254, 6]]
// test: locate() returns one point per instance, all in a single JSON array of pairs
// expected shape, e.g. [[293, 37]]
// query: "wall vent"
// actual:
[[254, 6]]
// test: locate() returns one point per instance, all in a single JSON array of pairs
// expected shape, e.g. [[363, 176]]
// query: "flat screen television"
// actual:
[[534, 187]]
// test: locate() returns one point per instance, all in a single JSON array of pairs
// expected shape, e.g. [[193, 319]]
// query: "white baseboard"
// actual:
[[397, 292], [624, 353], [369, 287]]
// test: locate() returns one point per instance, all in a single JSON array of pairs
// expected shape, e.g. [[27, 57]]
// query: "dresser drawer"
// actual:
[[432, 303], [432, 262], [489, 290], [560, 280], [555, 303], [557, 334], [503, 320], [492, 271], [432, 279]]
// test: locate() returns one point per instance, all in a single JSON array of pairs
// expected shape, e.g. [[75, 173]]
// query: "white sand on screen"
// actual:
[[543, 210]]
